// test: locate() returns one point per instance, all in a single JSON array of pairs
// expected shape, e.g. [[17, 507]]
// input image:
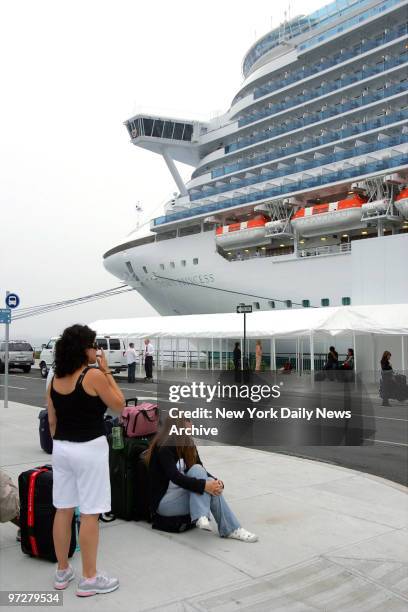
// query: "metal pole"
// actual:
[[312, 365], [402, 354], [198, 354], [274, 353], [355, 356], [270, 351], [6, 362], [245, 360], [212, 353], [220, 353]]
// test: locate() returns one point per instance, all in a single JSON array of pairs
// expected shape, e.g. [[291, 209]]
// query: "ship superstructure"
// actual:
[[299, 192]]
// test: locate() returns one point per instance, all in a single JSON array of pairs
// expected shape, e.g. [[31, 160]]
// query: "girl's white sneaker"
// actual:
[[203, 523], [243, 535]]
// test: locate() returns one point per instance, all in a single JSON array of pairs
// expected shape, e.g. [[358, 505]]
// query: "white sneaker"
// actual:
[[203, 523], [63, 577], [243, 535]]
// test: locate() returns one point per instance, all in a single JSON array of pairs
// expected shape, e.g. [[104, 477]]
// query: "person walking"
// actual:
[[180, 485], [148, 360], [77, 399], [258, 356], [131, 358]]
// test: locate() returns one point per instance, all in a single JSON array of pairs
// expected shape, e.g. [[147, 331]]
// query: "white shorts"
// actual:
[[81, 475]]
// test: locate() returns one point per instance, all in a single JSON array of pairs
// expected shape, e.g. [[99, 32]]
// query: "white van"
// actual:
[[21, 355], [114, 347]]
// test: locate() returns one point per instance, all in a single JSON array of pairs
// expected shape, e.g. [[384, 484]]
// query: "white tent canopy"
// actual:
[[385, 319]]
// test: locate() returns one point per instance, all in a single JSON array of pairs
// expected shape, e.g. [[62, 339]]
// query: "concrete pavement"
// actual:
[[331, 539]]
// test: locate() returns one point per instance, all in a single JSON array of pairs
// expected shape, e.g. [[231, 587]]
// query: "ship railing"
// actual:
[[364, 73], [317, 117], [310, 164], [339, 58], [353, 172], [344, 247], [311, 143]]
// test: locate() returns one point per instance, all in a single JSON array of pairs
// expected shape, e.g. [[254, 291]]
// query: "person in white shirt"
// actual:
[[148, 360], [131, 358]]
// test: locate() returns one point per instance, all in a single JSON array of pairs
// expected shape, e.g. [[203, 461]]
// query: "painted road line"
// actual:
[[385, 442], [20, 388]]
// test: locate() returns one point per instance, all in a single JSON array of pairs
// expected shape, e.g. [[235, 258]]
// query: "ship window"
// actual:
[[288, 303], [172, 264], [144, 269], [325, 302], [166, 235], [178, 131], [257, 306], [157, 128], [195, 261], [130, 268], [183, 263], [147, 126], [188, 131], [208, 226], [190, 229], [161, 266], [346, 301], [271, 303], [168, 129], [305, 303]]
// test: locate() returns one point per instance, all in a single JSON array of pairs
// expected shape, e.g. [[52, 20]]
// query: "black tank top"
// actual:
[[79, 415]]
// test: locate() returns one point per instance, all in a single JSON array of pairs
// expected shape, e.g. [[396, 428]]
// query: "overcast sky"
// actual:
[[71, 73]]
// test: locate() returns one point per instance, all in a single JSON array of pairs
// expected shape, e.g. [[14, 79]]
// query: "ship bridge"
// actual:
[[174, 139]]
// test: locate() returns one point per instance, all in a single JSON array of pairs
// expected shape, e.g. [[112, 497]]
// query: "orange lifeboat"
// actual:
[[329, 217], [243, 234], [401, 202]]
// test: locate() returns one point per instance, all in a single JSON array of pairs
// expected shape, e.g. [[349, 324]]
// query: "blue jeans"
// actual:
[[178, 501]]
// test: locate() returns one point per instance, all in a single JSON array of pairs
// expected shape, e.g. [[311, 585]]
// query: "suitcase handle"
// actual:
[[131, 399]]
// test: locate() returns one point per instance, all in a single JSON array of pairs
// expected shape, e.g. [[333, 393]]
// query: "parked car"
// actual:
[[114, 348], [21, 355]]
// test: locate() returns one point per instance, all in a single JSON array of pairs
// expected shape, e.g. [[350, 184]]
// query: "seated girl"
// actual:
[[180, 485]]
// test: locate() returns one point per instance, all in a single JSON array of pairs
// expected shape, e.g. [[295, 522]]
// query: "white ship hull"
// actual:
[[371, 273]]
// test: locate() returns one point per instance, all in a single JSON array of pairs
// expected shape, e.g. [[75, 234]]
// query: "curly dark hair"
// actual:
[[70, 349]]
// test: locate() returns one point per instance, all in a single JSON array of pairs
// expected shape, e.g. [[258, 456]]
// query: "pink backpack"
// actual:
[[141, 420]]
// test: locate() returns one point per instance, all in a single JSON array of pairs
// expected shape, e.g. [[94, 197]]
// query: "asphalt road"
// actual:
[[384, 452]]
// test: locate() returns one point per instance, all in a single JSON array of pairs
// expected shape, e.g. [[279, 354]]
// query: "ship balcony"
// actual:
[[392, 161], [299, 165], [317, 117], [177, 137], [308, 144], [377, 68], [330, 13], [338, 58]]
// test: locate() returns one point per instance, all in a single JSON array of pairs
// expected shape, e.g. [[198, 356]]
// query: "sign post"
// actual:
[[12, 301], [244, 309]]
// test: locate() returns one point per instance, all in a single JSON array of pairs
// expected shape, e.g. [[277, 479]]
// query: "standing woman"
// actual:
[[258, 356], [387, 379], [77, 399]]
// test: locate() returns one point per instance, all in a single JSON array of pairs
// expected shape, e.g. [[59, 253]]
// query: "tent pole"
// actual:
[[141, 357], [274, 352], [355, 357], [187, 354], [312, 365]]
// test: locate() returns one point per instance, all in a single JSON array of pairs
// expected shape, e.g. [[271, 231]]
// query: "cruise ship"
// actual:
[[299, 192]]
